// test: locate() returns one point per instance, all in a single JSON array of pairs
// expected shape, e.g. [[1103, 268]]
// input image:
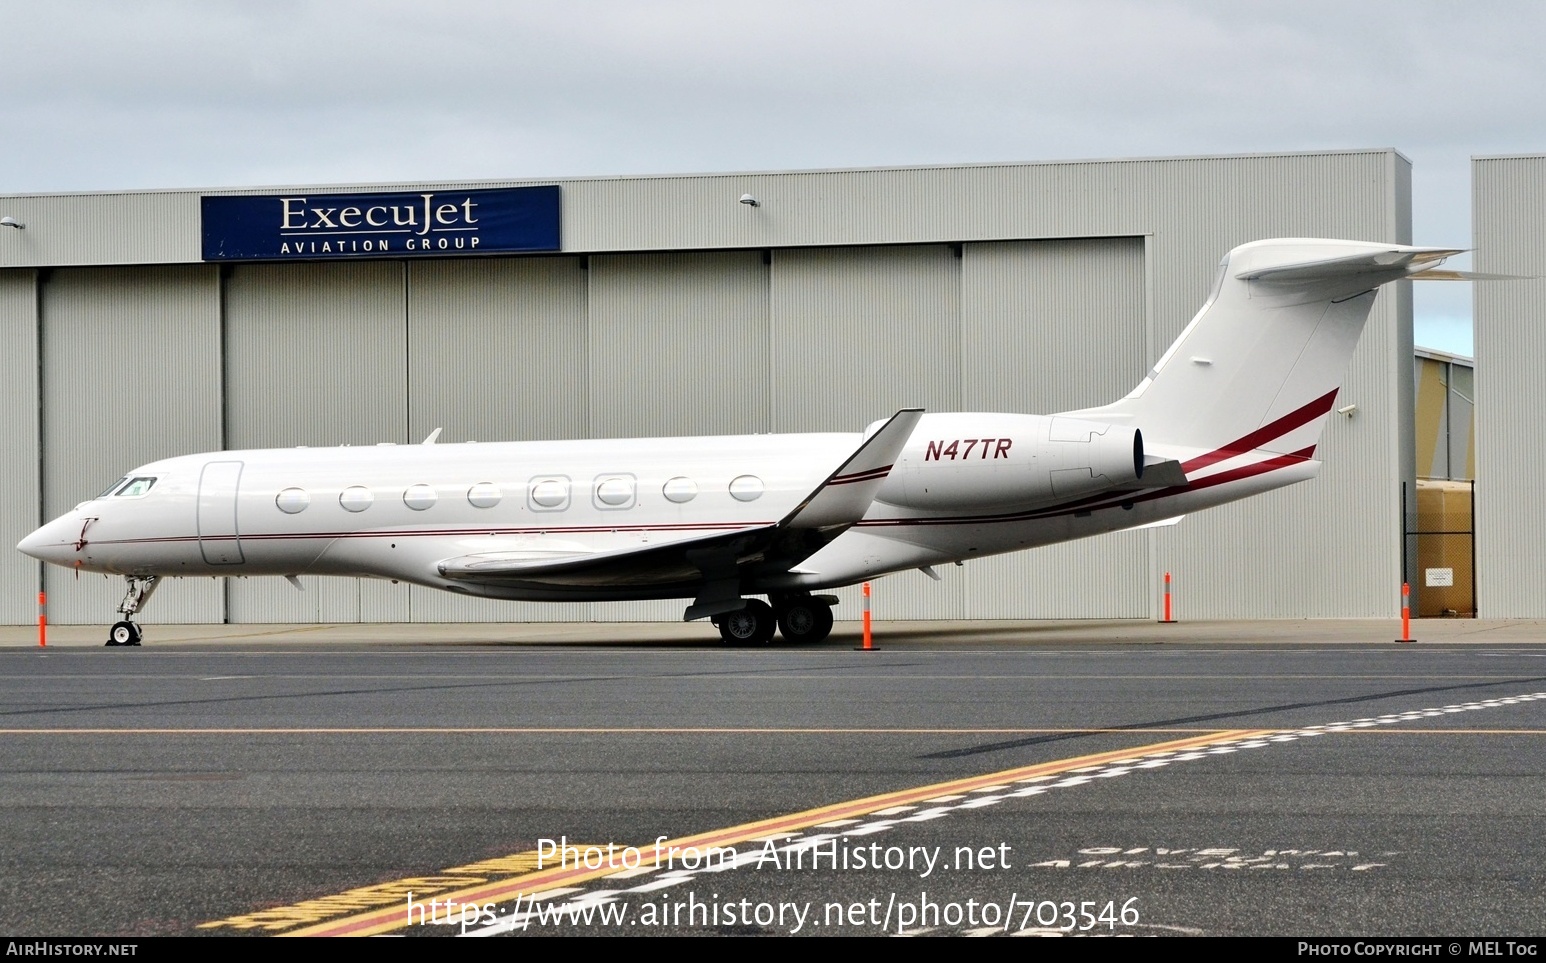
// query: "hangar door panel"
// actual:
[[1052, 326], [18, 440], [131, 374], [316, 354], [860, 332], [679, 344], [497, 351]]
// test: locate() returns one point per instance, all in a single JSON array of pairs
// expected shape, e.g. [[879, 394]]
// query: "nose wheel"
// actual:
[[139, 589], [123, 633]]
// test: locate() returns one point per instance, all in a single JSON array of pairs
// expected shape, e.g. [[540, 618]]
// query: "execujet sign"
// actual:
[[312, 226]]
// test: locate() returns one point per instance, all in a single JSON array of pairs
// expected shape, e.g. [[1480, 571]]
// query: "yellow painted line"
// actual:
[[395, 917]]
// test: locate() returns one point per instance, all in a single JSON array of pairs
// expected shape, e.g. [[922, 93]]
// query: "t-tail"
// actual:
[[1259, 367]]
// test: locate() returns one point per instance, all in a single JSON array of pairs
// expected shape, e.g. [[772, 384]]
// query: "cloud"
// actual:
[[158, 94]]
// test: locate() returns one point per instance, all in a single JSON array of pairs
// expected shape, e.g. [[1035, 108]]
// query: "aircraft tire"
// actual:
[[123, 633], [752, 625], [805, 621]]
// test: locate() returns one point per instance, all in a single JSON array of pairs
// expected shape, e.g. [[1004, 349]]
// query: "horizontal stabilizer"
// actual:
[[1469, 276], [847, 493], [1395, 261], [1259, 366]]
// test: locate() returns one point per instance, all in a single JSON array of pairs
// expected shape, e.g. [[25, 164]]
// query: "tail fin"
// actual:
[[1260, 364]]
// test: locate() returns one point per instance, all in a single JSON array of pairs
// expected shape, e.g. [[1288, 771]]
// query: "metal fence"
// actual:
[[1440, 525]]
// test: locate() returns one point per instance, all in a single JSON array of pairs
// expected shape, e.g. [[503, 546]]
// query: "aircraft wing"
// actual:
[[658, 563], [718, 558]]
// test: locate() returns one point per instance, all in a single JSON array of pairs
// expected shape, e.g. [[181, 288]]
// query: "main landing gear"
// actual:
[[800, 619], [126, 632]]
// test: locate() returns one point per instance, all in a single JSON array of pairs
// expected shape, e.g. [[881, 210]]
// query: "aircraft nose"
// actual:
[[54, 542]]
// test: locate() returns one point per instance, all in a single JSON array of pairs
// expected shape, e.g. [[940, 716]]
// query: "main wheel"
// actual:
[[805, 620], [752, 625], [123, 633]]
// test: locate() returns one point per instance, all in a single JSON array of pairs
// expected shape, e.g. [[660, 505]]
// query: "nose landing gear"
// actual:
[[126, 632]]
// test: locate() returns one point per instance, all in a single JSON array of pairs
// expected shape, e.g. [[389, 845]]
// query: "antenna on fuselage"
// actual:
[[432, 436]]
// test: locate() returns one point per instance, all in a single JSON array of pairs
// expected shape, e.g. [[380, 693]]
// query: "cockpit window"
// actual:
[[135, 488], [113, 487]]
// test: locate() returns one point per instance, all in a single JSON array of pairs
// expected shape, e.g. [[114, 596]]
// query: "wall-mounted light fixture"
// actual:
[[1347, 410], [750, 201], [11, 222]]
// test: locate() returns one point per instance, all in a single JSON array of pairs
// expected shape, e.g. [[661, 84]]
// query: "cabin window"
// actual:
[[484, 495], [614, 491], [135, 488], [680, 490], [419, 497], [292, 501], [356, 498], [549, 493], [746, 488]]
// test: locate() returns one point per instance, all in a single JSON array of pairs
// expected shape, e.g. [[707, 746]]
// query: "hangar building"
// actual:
[[135, 329], [1508, 214]]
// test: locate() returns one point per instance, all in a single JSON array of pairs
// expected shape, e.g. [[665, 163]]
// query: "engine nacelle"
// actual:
[[968, 461]]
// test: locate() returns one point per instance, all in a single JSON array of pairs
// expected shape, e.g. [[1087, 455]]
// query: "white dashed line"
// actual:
[[1029, 786]]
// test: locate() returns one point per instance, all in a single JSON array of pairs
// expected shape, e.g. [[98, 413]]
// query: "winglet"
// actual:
[[847, 493]]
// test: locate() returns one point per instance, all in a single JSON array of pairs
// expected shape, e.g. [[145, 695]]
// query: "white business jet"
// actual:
[[1234, 408]]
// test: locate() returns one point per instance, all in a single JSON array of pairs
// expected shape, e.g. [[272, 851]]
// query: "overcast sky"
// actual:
[[99, 96]]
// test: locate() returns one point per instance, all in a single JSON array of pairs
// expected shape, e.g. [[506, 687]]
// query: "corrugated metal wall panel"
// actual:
[[1049, 325], [497, 351], [153, 227], [131, 373], [679, 344], [1461, 407], [19, 512], [1432, 418], [1508, 208], [316, 354], [861, 332], [1054, 326], [1105, 577]]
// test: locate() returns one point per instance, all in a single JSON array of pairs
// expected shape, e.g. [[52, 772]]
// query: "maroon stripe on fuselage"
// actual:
[[860, 476], [453, 533]]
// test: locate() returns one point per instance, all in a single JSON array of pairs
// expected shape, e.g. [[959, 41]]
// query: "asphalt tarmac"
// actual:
[[1270, 778]]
